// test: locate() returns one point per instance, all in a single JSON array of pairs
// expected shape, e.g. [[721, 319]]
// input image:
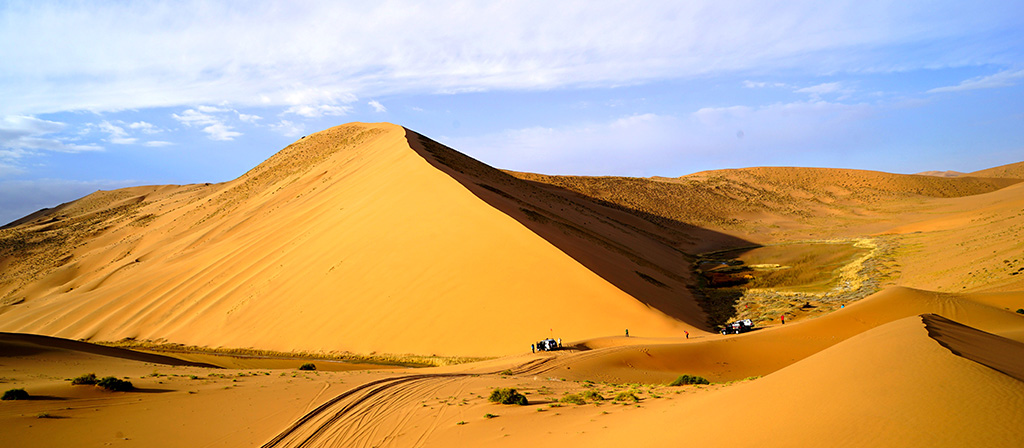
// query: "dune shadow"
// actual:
[[142, 390], [645, 255], [46, 398]]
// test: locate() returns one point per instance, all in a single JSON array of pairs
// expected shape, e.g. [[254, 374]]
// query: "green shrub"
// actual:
[[16, 394], [308, 366], [688, 379], [88, 378], [507, 396], [114, 384], [573, 398], [1020, 310], [489, 415], [626, 396], [592, 395]]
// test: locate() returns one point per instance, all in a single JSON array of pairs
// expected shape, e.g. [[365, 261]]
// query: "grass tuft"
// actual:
[[87, 379], [15, 394], [114, 384], [503, 395], [684, 380]]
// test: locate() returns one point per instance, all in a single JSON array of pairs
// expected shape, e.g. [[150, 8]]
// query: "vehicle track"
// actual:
[[346, 420], [375, 413]]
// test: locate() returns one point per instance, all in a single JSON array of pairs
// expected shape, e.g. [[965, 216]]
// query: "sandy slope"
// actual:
[[730, 358], [769, 204], [922, 380], [891, 386], [861, 376], [346, 240]]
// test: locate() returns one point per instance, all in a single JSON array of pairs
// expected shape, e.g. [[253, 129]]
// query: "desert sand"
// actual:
[[374, 241]]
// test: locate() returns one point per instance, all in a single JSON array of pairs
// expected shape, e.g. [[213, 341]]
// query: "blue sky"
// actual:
[[101, 95]]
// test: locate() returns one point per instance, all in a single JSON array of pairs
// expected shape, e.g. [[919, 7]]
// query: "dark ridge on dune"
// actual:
[[23, 344], [592, 233], [996, 352]]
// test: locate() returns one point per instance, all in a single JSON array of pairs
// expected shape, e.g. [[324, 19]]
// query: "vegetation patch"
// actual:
[[406, 360], [797, 279], [591, 395], [308, 366], [115, 384], [504, 395], [86, 379], [685, 380], [627, 396], [15, 394], [573, 398]]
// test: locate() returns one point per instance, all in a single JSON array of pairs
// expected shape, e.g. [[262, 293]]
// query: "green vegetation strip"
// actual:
[[406, 360]]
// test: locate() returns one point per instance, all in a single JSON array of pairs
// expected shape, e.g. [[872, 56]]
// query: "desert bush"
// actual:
[[592, 395], [308, 366], [88, 379], [688, 379], [573, 398], [626, 396], [489, 415], [114, 384], [504, 395], [1020, 310], [15, 394]]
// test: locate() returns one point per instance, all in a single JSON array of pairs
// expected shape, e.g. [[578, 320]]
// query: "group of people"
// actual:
[[546, 345]]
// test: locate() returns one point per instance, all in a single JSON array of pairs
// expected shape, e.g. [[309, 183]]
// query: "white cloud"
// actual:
[[27, 133], [761, 84], [213, 125], [157, 144], [315, 111], [828, 87], [1004, 78], [249, 118], [221, 132], [288, 128], [144, 127], [377, 106], [116, 134], [87, 55]]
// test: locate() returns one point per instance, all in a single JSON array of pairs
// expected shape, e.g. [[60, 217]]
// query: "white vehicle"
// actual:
[[740, 326]]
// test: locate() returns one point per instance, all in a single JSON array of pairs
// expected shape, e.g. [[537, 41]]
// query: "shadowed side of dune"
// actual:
[[641, 254], [1001, 354], [21, 344]]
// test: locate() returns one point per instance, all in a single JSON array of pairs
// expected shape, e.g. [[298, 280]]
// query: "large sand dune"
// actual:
[[348, 239]]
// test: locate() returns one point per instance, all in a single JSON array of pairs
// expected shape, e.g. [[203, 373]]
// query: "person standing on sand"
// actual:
[[687, 334], [783, 317], [533, 348], [627, 332], [559, 342]]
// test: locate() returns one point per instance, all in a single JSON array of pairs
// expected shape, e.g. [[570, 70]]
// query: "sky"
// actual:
[[108, 94]]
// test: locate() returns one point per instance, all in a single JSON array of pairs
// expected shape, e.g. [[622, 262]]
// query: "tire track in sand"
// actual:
[[353, 418]]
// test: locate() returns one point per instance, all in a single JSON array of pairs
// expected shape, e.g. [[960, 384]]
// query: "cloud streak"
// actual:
[[1004, 78], [108, 56]]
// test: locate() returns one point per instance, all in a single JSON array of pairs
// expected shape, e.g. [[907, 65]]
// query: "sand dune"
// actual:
[[769, 204], [730, 358], [891, 386], [345, 240]]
